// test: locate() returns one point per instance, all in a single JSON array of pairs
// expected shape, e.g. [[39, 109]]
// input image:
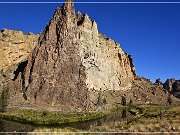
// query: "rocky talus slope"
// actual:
[[69, 67]]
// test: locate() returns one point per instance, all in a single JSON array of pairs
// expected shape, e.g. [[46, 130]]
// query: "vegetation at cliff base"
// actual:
[[146, 118], [52, 118], [153, 118], [4, 96]]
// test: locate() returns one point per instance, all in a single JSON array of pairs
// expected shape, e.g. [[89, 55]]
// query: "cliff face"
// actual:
[[54, 76], [73, 67], [173, 87], [109, 70], [15, 46], [108, 67]]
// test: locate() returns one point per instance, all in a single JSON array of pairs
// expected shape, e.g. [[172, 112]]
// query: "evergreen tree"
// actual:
[[4, 97]]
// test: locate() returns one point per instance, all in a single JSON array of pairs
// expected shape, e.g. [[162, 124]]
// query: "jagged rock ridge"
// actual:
[[73, 64], [173, 87], [54, 75]]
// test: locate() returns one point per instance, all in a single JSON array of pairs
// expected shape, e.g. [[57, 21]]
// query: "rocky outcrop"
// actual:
[[176, 89], [145, 91], [176, 86], [173, 87], [108, 67], [54, 76], [168, 84], [73, 67], [158, 81], [15, 46]]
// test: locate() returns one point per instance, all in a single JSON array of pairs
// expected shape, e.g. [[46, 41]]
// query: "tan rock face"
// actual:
[[108, 67], [15, 46]]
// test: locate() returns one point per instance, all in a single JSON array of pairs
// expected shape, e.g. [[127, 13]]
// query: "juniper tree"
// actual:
[[4, 97]]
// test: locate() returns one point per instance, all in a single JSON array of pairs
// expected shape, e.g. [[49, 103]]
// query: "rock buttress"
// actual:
[[54, 76], [108, 67], [109, 70]]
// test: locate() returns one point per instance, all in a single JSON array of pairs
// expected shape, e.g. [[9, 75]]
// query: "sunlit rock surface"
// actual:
[[70, 67]]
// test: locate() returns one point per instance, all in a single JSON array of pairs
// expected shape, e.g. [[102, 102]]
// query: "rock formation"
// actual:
[[168, 84], [54, 75], [158, 81], [72, 67], [108, 67], [15, 46], [173, 87]]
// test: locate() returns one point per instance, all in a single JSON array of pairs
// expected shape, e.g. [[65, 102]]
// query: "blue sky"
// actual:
[[148, 32]]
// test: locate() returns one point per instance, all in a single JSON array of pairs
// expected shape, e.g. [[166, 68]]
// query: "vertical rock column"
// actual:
[[54, 75]]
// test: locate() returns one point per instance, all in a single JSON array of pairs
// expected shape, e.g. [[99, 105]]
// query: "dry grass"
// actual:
[[148, 119]]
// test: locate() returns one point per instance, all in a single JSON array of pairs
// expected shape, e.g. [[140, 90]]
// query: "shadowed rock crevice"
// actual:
[[20, 72], [20, 69], [132, 66]]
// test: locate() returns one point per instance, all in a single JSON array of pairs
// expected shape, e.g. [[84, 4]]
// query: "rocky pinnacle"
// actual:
[[54, 74]]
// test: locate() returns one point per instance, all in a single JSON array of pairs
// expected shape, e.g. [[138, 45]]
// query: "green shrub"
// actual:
[[4, 97], [44, 113]]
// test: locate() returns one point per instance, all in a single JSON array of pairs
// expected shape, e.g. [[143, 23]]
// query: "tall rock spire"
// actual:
[[54, 75]]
